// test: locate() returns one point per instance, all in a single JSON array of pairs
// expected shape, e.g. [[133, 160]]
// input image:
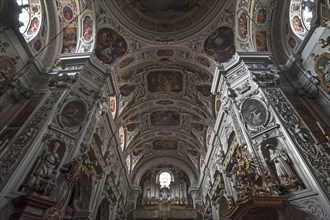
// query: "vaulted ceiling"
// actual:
[[164, 55]]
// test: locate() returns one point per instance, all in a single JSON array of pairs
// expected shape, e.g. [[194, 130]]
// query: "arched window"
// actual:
[[30, 18], [301, 15], [165, 179]]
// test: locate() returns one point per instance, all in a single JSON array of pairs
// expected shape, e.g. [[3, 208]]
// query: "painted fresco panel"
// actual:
[[242, 25], [261, 40], [87, 28], [254, 112], [110, 45], [69, 40], [220, 44], [165, 118], [73, 114], [165, 145], [165, 81], [164, 10]]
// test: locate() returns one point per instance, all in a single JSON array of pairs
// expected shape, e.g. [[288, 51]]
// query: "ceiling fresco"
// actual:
[[163, 55]]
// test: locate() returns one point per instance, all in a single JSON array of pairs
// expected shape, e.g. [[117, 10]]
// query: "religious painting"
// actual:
[[73, 114], [261, 16], [217, 105], [67, 13], [164, 10], [131, 127], [297, 25], [37, 45], [87, 28], [69, 40], [165, 81], [203, 61], [110, 45], [7, 69], [113, 107], [261, 40], [165, 118], [165, 145], [322, 68], [205, 90], [165, 53], [220, 44], [34, 26], [126, 89], [125, 62], [121, 137], [254, 112], [242, 25], [292, 42]]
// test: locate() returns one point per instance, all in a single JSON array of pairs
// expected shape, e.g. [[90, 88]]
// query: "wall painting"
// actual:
[[220, 44], [87, 28], [165, 81], [322, 68], [110, 45], [254, 112], [69, 40], [261, 40], [261, 16], [165, 145], [126, 89], [165, 118], [73, 114], [7, 69], [125, 62], [242, 25], [165, 10], [203, 61]]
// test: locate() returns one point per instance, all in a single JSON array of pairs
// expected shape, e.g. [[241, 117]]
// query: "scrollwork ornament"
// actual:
[[313, 208], [18, 149], [317, 160]]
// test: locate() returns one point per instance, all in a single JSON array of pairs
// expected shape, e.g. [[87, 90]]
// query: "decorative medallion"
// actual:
[[203, 61], [125, 62], [7, 69], [322, 68], [87, 28], [220, 44], [126, 89], [67, 13], [73, 114], [242, 25], [110, 45], [254, 112], [113, 106]]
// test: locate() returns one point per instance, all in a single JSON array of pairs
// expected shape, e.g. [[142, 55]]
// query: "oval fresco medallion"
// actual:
[[110, 45], [254, 112], [220, 44], [73, 114]]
